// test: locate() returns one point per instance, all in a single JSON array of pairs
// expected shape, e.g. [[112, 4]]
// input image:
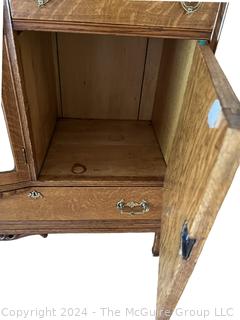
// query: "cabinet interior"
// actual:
[[100, 107]]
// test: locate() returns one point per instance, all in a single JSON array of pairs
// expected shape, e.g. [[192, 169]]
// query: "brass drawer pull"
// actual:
[[133, 208], [190, 7]]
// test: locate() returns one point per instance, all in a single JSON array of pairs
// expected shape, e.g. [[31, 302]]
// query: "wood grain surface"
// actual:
[[106, 148], [150, 78], [78, 209], [101, 76], [36, 59], [201, 161], [157, 18], [13, 108], [200, 171], [223, 8], [172, 82]]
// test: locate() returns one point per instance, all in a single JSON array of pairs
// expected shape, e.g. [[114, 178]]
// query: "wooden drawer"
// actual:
[[64, 209], [156, 18]]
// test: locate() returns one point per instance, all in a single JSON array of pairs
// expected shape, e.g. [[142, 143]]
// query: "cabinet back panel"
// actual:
[[173, 74], [40, 86], [101, 76]]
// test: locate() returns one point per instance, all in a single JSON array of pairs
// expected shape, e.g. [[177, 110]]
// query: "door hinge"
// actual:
[[24, 155], [187, 243], [42, 3]]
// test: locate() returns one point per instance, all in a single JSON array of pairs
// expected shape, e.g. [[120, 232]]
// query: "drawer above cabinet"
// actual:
[[149, 18], [72, 209]]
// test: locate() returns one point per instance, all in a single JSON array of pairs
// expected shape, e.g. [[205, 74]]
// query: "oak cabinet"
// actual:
[[120, 119]]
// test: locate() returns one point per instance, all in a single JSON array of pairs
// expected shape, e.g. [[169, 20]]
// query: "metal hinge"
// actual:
[[24, 155], [41, 3], [187, 243]]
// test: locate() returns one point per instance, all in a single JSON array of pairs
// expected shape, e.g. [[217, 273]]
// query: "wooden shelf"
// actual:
[[104, 151]]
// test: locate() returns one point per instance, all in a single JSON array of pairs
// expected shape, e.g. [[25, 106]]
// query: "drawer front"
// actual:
[[116, 16], [71, 209]]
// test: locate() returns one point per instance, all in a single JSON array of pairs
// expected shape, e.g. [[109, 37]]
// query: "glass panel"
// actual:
[[6, 156]]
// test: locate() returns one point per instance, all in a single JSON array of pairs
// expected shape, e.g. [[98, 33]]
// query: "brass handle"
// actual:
[[133, 208], [190, 7]]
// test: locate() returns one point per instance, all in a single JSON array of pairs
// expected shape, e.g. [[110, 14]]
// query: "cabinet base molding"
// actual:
[[11, 237]]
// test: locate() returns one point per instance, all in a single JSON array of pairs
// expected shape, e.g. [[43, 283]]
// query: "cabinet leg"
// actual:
[[156, 245], [10, 237]]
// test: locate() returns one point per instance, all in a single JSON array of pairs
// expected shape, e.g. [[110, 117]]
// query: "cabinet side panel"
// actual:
[[36, 57], [13, 107], [174, 70], [150, 79], [10, 107]]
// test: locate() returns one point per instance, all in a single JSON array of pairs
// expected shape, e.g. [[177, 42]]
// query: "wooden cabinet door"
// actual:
[[13, 108], [202, 163]]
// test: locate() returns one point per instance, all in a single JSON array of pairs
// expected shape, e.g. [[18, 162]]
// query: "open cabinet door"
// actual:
[[13, 109], [204, 157]]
